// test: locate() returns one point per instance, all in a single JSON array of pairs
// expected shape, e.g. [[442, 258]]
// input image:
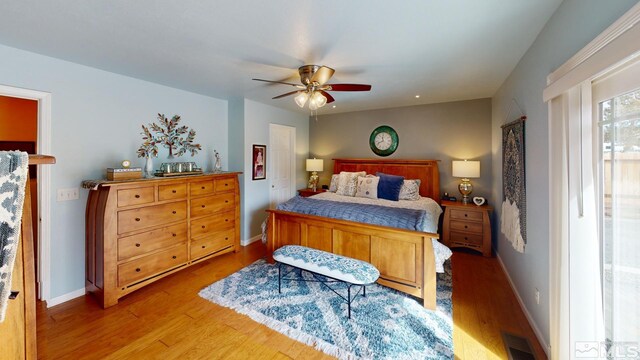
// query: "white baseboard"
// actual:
[[64, 298], [536, 330], [246, 242]]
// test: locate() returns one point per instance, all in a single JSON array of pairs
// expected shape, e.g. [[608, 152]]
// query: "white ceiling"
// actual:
[[443, 50]]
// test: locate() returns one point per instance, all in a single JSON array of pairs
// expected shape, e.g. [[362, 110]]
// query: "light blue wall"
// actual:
[[257, 117], [96, 118], [572, 26]]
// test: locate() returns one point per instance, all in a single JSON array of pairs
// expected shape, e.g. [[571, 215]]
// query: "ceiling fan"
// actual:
[[314, 86]]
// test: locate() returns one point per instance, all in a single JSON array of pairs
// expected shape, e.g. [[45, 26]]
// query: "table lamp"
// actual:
[[314, 165], [465, 169]]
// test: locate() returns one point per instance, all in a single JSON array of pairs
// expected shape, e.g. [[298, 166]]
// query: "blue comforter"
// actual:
[[363, 213]]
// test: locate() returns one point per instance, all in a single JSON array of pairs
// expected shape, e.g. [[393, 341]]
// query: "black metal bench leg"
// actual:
[[279, 278], [364, 291]]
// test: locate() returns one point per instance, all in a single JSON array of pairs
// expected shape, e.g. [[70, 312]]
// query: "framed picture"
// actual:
[[259, 162]]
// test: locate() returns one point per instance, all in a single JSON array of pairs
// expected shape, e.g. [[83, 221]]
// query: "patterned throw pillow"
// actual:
[[410, 190], [333, 186], [348, 183], [368, 186]]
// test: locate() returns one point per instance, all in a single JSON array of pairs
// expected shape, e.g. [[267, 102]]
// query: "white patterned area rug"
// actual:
[[386, 324]]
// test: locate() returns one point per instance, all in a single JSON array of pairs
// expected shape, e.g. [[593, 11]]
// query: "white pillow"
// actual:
[[333, 186], [410, 190], [368, 186], [348, 182]]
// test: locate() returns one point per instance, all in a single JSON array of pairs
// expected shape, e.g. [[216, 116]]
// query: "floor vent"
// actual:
[[518, 348]]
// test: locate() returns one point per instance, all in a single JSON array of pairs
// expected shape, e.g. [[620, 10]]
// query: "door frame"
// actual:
[[292, 167], [44, 182]]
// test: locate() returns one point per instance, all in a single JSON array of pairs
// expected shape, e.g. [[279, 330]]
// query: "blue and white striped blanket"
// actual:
[[410, 219]]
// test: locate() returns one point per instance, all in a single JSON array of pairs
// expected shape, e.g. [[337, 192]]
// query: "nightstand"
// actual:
[[467, 225], [310, 192]]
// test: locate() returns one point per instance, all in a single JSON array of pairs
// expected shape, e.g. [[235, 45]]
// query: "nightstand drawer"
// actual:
[[466, 239], [466, 226], [466, 215]]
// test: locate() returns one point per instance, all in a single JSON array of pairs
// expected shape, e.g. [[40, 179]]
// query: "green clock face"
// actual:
[[383, 140]]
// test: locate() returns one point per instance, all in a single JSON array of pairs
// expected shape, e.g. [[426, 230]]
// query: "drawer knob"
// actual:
[[174, 191], [137, 269], [174, 257], [226, 201], [137, 219], [203, 246], [203, 226], [203, 206], [174, 212], [226, 238], [465, 226], [137, 196], [137, 245], [174, 234], [226, 219], [225, 184], [465, 215], [465, 238], [203, 188]]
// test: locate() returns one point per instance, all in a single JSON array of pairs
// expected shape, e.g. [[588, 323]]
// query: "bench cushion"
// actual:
[[324, 263]]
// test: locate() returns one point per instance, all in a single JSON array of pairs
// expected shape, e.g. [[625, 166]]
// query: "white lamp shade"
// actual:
[[314, 164], [466, 169], [301, 99], [319, 99]]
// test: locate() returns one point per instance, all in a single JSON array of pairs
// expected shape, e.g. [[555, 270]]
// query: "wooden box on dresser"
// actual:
[[140, 231], [467, 225]]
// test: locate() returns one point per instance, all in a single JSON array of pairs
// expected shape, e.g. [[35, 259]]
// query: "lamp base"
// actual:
[[465, 189], [313, 181]]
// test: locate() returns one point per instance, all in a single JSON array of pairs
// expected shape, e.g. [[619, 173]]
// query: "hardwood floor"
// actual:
[[169, 320]]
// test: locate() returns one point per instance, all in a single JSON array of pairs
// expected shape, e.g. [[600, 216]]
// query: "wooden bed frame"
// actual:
[[405, 258]]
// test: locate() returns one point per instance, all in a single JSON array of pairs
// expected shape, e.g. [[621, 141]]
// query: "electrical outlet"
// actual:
[[537, 295], [68, 194]]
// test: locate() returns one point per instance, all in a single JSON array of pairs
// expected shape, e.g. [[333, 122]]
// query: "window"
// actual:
[[619, 177]]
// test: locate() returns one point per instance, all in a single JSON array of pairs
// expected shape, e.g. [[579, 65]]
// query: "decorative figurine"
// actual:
[[218, 165]]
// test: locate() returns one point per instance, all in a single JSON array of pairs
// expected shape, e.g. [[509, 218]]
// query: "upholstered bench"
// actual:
[[317, 262]]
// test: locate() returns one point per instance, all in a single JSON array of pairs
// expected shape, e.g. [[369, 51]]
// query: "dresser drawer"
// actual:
[[226, 184], [466, 226], [150, 265], [172, 192], [211, 243], [200, 188], [143, 195], [135, 219], [466, 215], [212, 204], [466, 239], [141, 244], [212, 223]]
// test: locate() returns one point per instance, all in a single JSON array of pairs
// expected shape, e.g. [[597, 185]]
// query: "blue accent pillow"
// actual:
[[389, 186]]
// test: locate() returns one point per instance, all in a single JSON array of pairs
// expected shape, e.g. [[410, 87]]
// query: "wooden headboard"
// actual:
[[425, 170]]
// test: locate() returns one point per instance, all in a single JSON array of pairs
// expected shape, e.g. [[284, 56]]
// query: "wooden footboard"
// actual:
[[405, 258]]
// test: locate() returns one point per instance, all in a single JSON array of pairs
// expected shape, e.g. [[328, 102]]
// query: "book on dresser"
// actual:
[[141, 231]]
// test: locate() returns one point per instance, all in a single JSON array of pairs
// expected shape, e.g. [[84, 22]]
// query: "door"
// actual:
[[282, 163], [617, 105]]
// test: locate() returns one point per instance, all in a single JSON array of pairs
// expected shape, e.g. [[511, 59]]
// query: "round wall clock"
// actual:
[[383, 140]]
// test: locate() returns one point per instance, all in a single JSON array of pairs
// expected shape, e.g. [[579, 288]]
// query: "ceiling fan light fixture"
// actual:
[[301, 99], [319, 99]]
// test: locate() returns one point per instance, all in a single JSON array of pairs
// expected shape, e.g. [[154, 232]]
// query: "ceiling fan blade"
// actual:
[[348, 87], [330, 98], [322, 75], [280, 82], [287, 94]]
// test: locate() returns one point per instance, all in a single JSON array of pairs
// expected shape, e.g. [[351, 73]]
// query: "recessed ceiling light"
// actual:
[[417, 96]]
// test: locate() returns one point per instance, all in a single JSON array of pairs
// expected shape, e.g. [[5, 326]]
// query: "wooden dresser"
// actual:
[[143, 230], [467, 225]]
